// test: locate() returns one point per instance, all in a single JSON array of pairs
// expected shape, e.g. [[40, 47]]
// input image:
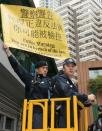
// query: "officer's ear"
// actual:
[[36, 70], [63, 68]]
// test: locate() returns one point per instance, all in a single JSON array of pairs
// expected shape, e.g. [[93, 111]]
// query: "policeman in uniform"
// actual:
[[63, 86], [36, 87]]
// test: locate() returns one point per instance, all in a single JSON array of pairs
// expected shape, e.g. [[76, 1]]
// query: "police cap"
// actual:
[[69, 61], [40, 64]]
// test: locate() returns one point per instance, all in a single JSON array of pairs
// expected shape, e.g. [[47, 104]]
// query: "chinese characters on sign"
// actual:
[[36, 30]]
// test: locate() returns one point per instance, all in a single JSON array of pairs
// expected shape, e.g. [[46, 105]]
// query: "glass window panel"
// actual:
[[94, 73], [1, 121], [9, 124]]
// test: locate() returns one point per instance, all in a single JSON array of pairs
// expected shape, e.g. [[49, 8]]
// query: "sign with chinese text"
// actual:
[[37, 30]]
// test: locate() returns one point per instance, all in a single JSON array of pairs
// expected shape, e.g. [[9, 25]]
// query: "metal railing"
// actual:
[[79, 124]]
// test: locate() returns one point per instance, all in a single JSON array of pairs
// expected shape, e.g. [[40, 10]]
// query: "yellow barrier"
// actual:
[[28, 107], [28, 113], [67, 100]]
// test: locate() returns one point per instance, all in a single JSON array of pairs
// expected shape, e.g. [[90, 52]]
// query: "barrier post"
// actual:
[[24, 115], [75, 109]]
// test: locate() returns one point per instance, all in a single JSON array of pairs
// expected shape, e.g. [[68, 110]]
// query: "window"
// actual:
[[93, 73], [9, 124], [1, 121]]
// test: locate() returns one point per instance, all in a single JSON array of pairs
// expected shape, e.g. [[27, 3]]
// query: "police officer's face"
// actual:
[[42, 70], [69, 69]]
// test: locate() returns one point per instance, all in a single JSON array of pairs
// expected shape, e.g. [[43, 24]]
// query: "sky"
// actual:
[[36, 3]]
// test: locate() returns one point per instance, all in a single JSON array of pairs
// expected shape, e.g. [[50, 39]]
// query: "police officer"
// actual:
[[63, 86], [36, 87]]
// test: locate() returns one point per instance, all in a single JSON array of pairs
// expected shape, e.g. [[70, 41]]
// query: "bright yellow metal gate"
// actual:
[[28, 113]]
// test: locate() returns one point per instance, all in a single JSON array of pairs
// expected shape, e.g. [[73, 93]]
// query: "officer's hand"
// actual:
[[92, 98], [94, 102], [6, 49]]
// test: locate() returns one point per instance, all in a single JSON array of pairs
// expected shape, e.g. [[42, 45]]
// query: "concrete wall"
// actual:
[[4, 61], [11, 93]]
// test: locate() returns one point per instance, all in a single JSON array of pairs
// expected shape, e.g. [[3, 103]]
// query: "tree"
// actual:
[[96, 83]]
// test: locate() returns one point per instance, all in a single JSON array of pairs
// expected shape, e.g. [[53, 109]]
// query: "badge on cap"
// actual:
[[71, 60]]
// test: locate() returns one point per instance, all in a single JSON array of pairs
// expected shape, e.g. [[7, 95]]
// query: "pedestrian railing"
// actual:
[[28, 113]]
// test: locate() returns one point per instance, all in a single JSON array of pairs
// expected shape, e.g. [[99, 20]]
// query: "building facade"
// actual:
[[87, 28], [52, 4], [10, 102], [68, 15]]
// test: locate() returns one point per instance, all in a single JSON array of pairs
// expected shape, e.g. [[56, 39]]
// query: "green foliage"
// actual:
[[23, 57], [96, 83]]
